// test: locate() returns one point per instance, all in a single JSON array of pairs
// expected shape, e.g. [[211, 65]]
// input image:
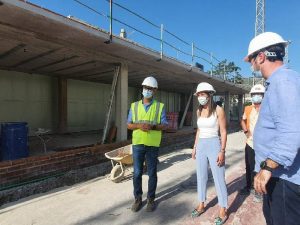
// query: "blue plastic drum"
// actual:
[[14, 140]]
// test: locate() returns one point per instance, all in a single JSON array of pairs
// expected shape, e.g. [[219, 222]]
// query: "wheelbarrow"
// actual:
[[120, 158]]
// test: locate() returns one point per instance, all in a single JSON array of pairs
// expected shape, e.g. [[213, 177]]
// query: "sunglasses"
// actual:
[[253, 57], [148, 88]]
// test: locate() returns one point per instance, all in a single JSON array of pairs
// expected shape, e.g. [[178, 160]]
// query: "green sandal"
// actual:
[[220, 221], [197, 213]]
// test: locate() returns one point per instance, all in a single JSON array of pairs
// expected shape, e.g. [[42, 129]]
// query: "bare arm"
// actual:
[[196, 138], [243, 125], [142, 126], [222, 124], [133, 126], [146, 127], [195, 142], [159, 127], [197, 133], [223, 132]]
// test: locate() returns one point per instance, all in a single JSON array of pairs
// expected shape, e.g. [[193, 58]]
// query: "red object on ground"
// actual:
[[172, 118]]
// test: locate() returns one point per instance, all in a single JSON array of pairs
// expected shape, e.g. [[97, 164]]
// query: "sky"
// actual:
[[223, 28]]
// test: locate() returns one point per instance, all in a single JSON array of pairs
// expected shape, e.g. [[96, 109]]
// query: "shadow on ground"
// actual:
[[167, 212]]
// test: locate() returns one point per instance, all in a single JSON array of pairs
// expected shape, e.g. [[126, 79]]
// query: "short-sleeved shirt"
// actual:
[[253, 116]]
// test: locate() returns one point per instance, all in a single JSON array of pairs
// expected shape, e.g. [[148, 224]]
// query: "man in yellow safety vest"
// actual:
[[147, 119]]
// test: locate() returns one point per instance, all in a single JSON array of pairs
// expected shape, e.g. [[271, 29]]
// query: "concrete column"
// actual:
[[227, 106], [195, 107], [240, 105], [122, 103], [62, 105]]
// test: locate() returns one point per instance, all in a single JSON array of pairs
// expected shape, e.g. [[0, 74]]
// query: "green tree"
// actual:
[[229, 70]]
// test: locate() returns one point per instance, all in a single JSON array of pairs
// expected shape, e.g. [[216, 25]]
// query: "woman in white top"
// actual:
[[211, 121]]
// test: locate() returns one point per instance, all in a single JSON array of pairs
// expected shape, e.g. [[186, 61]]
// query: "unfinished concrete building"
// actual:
[[57, 75]]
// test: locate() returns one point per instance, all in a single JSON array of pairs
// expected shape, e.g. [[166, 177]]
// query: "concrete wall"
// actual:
[[28, 97], [87, 105], [171, 100], [33, 98]]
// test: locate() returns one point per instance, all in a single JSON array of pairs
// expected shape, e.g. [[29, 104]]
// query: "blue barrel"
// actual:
[[14, 144]]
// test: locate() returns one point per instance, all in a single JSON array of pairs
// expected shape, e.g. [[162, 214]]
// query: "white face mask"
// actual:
[[256, 99], [202, 100]]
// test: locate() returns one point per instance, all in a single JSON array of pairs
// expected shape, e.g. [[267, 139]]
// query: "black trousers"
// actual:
[[281, 204], [250, 164]]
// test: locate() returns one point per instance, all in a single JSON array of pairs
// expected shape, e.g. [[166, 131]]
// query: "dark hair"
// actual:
[[219, 103], [211, 106], [279, 49]]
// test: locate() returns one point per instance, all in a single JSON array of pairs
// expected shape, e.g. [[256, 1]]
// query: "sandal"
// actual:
[[197, 213], [220, 221]]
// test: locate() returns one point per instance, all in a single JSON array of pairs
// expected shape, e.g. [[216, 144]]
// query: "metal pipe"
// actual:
[[111, 99], [192, 53], [110, 22], [161, 41], [211, 64], [185, 110]]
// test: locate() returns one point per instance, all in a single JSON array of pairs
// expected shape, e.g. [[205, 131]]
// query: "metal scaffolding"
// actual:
[[260, 17]]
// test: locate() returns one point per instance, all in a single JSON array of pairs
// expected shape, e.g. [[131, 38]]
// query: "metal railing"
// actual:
[[164, 41]]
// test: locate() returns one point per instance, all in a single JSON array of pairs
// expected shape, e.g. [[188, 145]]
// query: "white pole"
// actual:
[[161, 40]]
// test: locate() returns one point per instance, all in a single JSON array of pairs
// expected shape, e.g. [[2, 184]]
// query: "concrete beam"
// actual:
[[34, 26], [62, 105], [122, 103]]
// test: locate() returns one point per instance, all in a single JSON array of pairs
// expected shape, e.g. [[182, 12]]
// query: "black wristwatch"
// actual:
[[264, 166]]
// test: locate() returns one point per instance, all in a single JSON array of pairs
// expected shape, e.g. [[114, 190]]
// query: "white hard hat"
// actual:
[[257, 89], [262, 41], [150, 82], [206, 87]]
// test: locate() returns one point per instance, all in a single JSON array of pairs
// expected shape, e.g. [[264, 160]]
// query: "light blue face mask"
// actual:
[[147, 93], [256, 73], [256, 99], [202, 100]]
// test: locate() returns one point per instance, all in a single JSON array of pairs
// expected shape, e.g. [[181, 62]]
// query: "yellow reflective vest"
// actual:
[[152, 116]]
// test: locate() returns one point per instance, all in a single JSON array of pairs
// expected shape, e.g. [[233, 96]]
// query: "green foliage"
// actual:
[[230, 70], [247, 103]]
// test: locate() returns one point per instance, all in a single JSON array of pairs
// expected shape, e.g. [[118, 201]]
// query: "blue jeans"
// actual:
[[281, 204], [139, 153]]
